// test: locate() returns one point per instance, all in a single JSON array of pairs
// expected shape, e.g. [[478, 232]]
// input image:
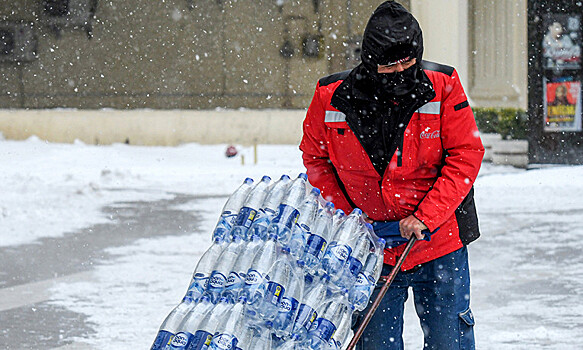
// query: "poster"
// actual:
[[562, 41], [562, 104]]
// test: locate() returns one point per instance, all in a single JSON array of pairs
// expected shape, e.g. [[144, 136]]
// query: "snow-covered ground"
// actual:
[[526, 269]]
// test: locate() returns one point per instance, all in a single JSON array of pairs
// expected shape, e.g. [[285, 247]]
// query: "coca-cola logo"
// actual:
[[430, 135]]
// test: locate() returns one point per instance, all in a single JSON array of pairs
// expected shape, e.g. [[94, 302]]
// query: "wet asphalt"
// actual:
[[29, 322]]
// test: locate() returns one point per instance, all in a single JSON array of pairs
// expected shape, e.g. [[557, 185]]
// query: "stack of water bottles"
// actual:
[[285, 271]]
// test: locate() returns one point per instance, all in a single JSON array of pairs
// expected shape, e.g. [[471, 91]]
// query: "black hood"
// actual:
[[392, 33]]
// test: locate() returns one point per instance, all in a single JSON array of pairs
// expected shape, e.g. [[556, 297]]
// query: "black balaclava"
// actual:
[[392, 34]]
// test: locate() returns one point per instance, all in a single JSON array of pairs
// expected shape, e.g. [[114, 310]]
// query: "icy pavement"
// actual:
[[97, 244]]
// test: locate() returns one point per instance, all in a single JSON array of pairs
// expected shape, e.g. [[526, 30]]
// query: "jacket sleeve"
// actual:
[[463, 157], [314, 145]]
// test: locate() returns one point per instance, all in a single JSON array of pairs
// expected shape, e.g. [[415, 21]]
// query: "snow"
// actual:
[[526, 267]]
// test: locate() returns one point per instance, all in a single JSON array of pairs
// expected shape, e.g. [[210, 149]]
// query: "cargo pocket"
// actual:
[[467, 330]]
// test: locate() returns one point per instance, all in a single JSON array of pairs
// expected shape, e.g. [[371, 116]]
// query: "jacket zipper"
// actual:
[[400, 152]]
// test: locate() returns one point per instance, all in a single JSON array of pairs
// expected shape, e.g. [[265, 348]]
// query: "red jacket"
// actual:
[[429, 177]]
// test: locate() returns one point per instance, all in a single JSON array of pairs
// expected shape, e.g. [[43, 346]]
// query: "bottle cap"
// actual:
[[368, 225], [356, 211], [316, 191], [268, 324], [285, 250], [382, 242], [301, 263], [326, 277], [266, 178], [248, 181], [284, 177], [330, 205], [303, 176], [242, 299], [339, 212]]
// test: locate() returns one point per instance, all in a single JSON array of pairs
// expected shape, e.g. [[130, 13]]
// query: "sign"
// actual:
[[562, 104]]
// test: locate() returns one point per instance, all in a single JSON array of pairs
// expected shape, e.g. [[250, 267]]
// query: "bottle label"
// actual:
[[286, 311], [361, 280], [316, 246], [353, 265], [234, 281], [340, 251], [223, 341], [323, 329], [163, 339], [286, 215], [274, 293], [253, 277], [217, 280], [245, 217], [200, 341], [306, 316], [198, 286], [180, 341]]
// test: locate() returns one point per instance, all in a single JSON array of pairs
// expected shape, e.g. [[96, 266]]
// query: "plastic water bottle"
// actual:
[[308, 310], [342, 245], [261, 340], [344, 332], [255, 281], [366, 280], [225, 262], [236, 278], [231, 209], [269, 209], [279, 277], [290, 303], [203, 336], [302, 229], [288, 211], [338, 219], [355, 261], [319, 238], [171, 324], [248, 213], [231, 328], [204, 268], [190, 324], [326, 324]]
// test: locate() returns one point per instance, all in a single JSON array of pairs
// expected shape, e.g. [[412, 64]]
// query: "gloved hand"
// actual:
[[389, 230]]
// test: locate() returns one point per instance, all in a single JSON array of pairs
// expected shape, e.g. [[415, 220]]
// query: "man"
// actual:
[[396, 138]]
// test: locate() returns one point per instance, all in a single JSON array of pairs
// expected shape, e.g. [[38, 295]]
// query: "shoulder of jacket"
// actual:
[[333, 78], [437, 67]]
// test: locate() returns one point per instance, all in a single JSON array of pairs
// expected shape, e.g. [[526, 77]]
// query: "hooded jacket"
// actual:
[[394, 155]]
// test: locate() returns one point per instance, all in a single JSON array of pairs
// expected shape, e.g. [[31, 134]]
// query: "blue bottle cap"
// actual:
[[248, 180], [326, 277], [265, 178], [368, 225], [330, 205], [204, 299], [357, 211], [284, 177], [339, 212], [268, 324], [301, 263], [285, 250], [242, 299], [316, 191], [382, 242], [303, 176]]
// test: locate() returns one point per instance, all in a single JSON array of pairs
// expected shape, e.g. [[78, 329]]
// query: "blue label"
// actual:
[[340, 251], [286, 215], [323, 329], [354, 265], [274, 293], [316, 246], [163, 339], [181, 340], [286, 311], [223, 341], [225, 224], [306, 316], [234, 281], [253, 277], [217, 281], [245, 217], [200, 341]]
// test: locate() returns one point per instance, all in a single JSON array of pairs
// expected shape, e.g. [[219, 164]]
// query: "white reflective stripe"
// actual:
[[430, 108], [334, 117]]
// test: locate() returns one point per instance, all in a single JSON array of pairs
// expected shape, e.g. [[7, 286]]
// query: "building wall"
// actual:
[[181, 54]]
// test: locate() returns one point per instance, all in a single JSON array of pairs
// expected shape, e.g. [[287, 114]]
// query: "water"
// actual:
[[190, 324], [342, 245], [302, 229], [209, 325], [308, 310], [318, 239], [327, 323], [171, 324], [231, 209], [230, 330], [366, 280], [288, 211], [355, 261], [252, 204], [255, 282], [225, 262], [236, 278], [290, 303], [269, 209], [204, 268]]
